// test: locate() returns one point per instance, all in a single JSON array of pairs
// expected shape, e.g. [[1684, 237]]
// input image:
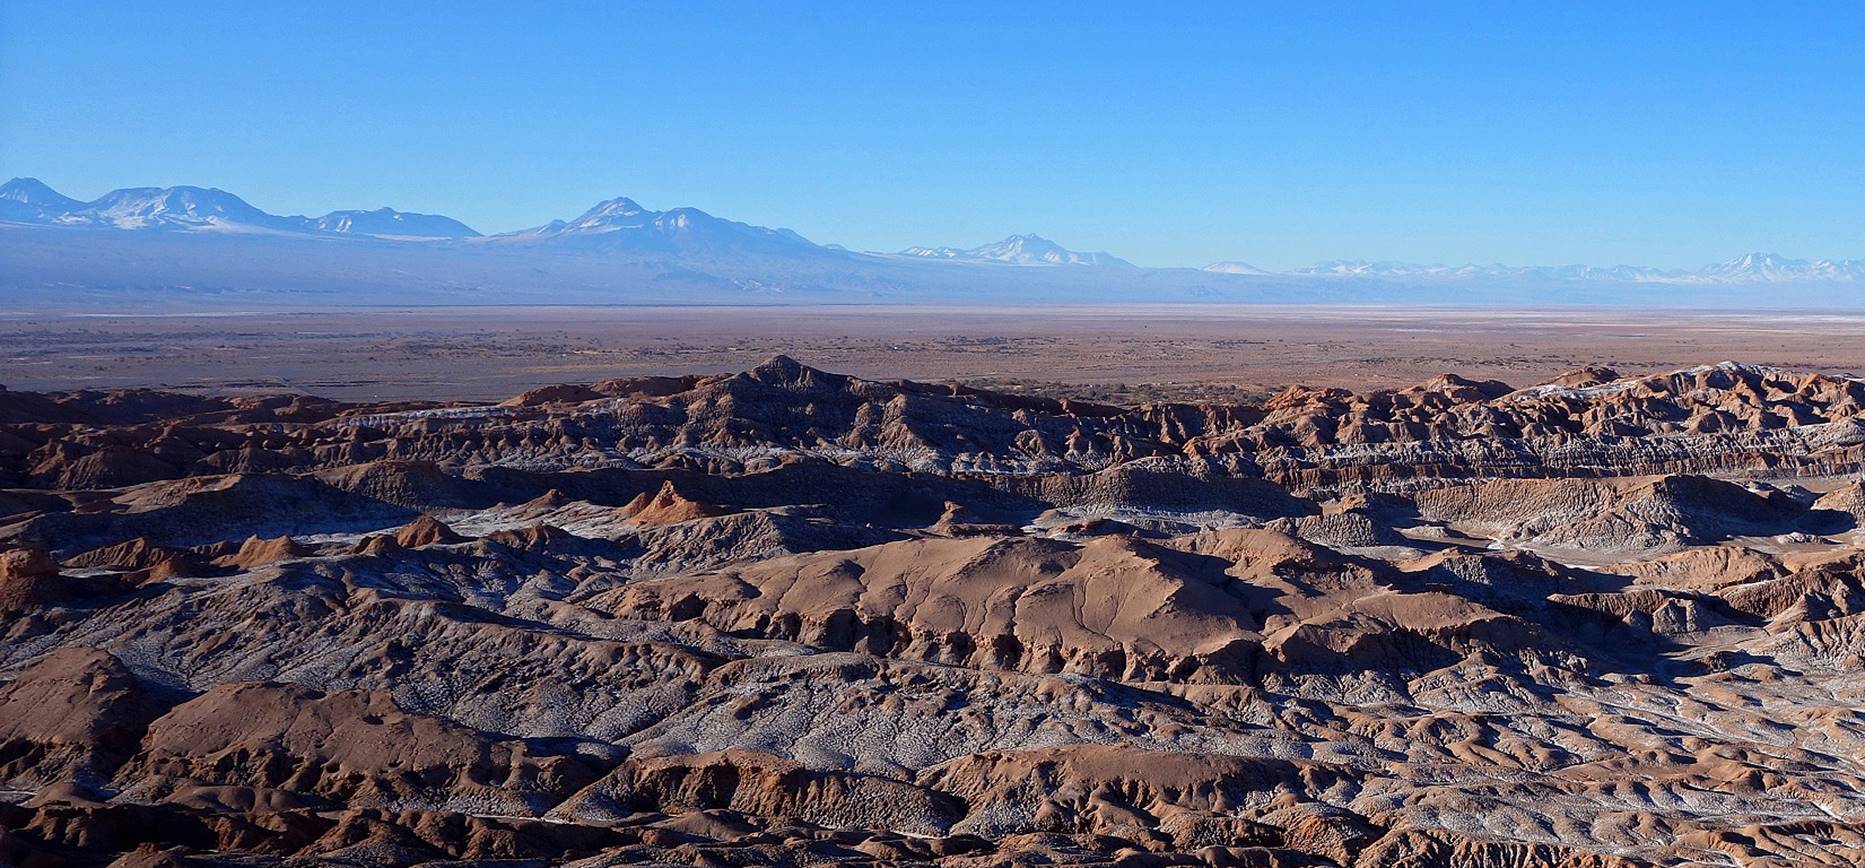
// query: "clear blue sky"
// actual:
[[1668, 134]]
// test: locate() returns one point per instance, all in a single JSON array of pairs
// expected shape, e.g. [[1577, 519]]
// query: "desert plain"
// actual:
[[490, 353]]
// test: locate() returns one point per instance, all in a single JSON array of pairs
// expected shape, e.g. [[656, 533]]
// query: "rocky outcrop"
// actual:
[[30, 580], [1630, 516], [764, 786], [1719, 420], [666, 506], [71, 719], [252, 746], [1114, 607], [426, 531]]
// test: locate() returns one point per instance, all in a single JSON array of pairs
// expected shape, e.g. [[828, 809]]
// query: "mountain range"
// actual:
[[1029, 249], [29, 201], [160, 245], [1748, 268], [620, 224]]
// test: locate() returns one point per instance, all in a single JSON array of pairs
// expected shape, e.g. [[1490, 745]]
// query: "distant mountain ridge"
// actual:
[[206, 246], [1748, 268], [24, 196], [1774, 268], [621, 224], [1027, 249], [187, 208], [390, 223], [1232, 266]]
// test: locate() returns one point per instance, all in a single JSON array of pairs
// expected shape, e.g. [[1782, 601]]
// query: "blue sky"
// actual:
[[1669, 134]]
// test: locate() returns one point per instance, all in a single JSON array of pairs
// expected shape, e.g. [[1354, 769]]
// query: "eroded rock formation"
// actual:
[[792, 617]]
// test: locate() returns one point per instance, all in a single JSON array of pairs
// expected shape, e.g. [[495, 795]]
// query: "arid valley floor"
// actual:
[[1161, 586], [1128, 354]]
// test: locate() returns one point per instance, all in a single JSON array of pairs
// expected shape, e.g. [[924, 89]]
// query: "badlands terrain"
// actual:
[[784, 616]]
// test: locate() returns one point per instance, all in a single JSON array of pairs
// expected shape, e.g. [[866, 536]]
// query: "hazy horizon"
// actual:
[[1735, 258], [1671, 135]]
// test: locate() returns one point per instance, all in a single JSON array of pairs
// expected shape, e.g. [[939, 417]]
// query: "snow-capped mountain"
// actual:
[[201, 209], [29, 200], [1758, 267], [183, 208], [390, 223], [621, 224], [1231, 266], [207, 242], [1028, 249], [1775, 268]]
